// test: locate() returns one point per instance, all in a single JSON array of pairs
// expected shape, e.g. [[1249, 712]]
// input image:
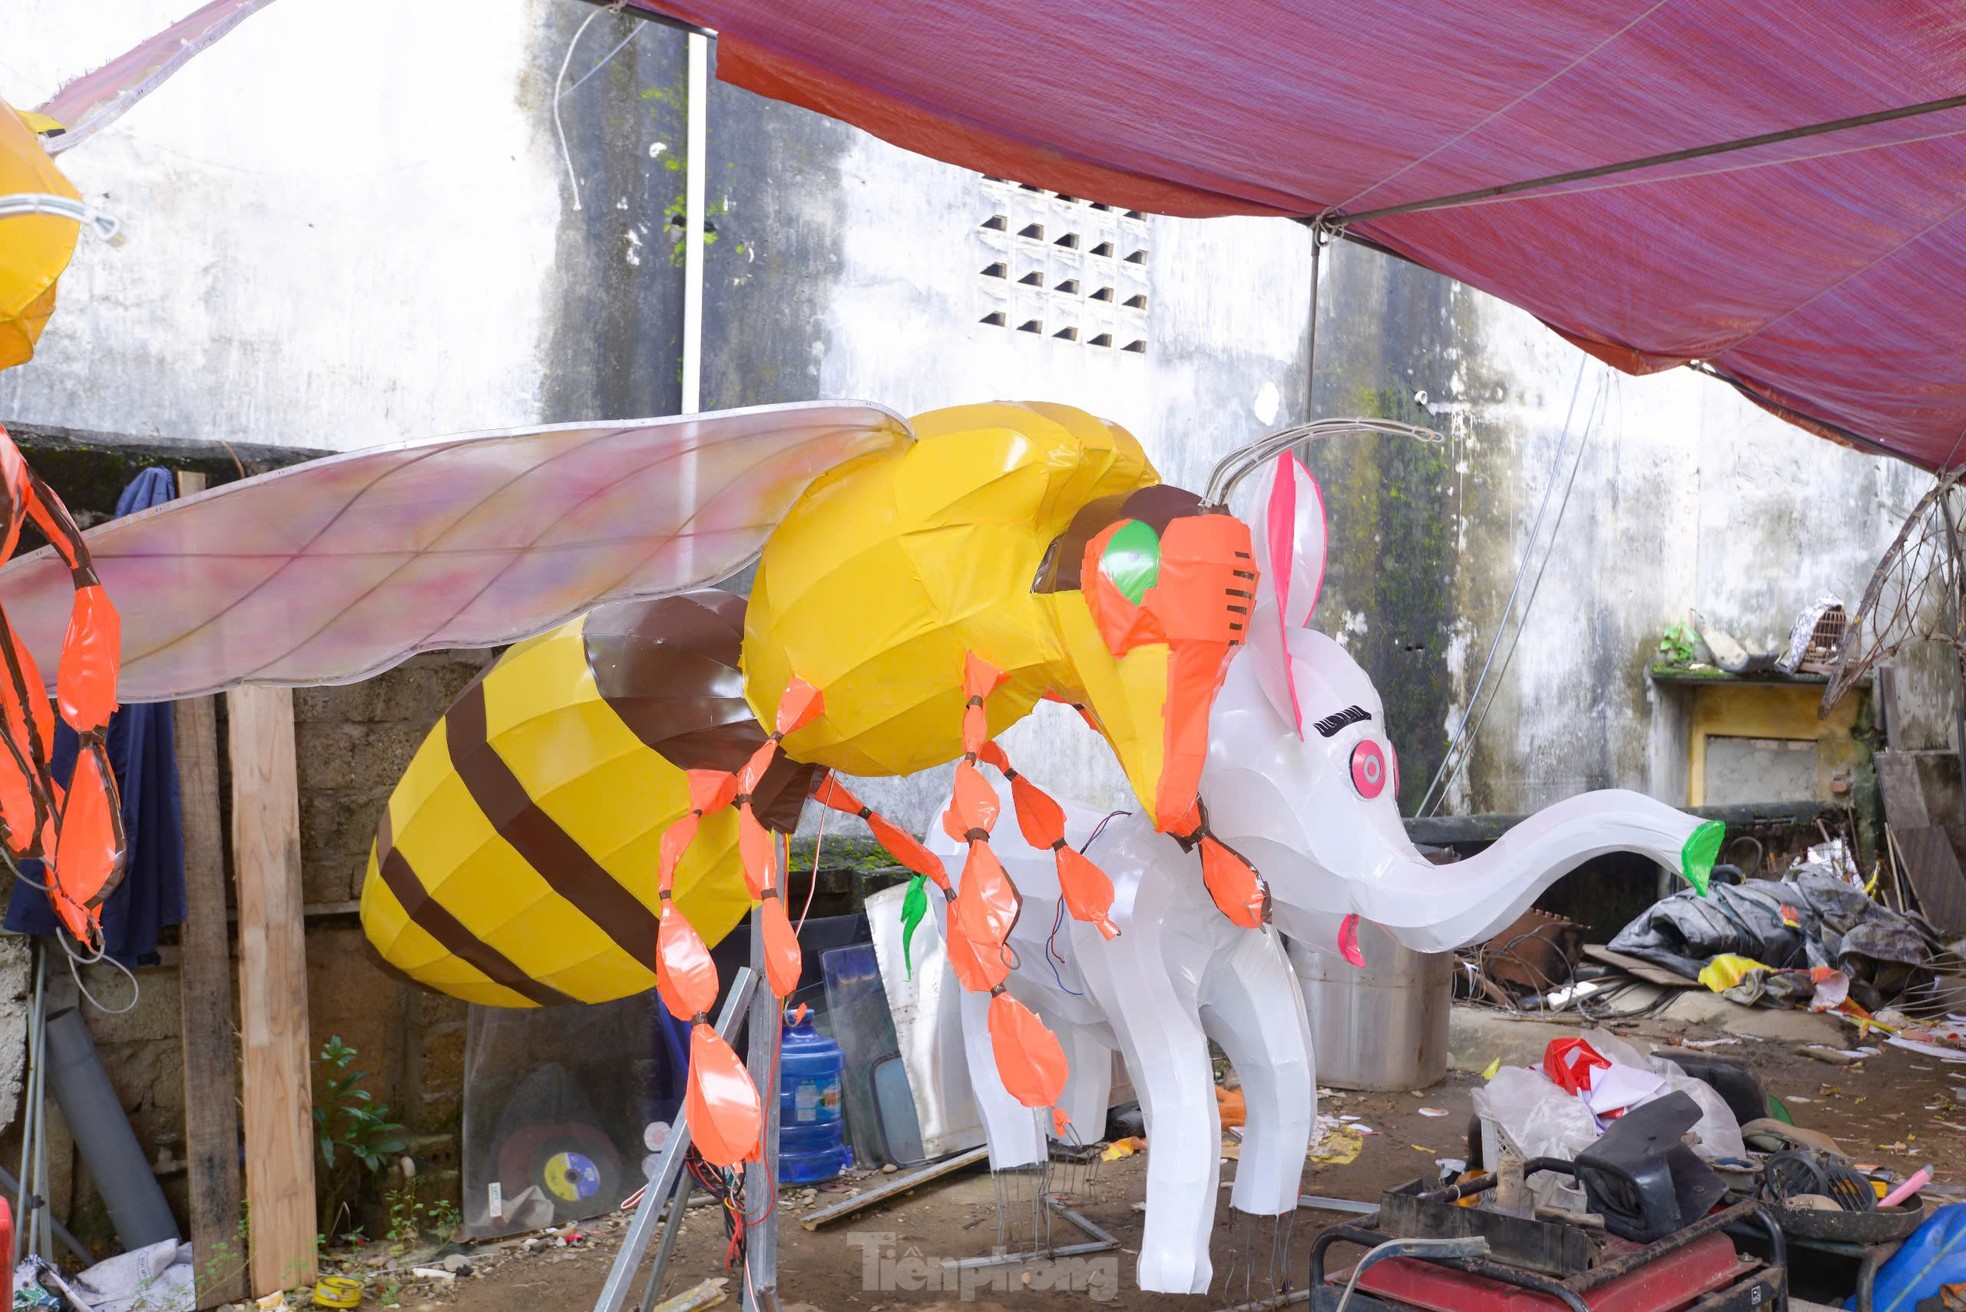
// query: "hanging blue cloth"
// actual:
[[143, 754]]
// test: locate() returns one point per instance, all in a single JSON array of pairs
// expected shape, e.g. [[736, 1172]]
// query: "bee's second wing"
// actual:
[[337, 569]]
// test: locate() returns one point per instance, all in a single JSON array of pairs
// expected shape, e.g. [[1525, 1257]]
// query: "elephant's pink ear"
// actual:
[[1290, 554], [1290, 549]]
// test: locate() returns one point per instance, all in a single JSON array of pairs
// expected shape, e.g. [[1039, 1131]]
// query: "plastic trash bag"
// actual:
[[1717, 1135], [1522, 1110]]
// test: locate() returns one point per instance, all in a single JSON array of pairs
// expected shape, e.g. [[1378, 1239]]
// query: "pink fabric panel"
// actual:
[[1821, 274]]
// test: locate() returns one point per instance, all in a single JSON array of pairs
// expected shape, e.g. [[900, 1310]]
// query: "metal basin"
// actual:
[[1383, 1027]]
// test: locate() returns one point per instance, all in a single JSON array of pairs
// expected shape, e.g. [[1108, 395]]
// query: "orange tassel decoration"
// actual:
[[1088, 893], [78, 831], [900, 844]]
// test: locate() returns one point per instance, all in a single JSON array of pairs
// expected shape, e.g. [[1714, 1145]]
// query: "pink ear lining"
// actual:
[[1317, 496], [1279, 533]]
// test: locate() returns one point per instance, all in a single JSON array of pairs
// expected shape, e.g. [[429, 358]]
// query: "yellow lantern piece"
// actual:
[[34, 246]]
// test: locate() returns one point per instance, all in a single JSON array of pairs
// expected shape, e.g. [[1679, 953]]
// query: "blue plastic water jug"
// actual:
[[811, 1136]]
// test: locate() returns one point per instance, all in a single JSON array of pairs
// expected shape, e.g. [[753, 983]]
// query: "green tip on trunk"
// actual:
[[1696, 858], [914, 905]]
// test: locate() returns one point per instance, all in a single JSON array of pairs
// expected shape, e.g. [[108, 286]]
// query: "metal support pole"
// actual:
[[761, 1176], [669, 1167], [671, 1228], [37, 1037], [696, 169]]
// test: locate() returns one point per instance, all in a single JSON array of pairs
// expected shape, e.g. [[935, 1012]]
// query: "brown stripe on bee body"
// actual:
[[669, 669], [431, 916], [556, 855]]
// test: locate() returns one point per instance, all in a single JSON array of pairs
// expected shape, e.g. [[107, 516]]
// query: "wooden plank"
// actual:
[[1649, 971], [211, 1046], [272, 988], [1936, 880], [1904, 796]]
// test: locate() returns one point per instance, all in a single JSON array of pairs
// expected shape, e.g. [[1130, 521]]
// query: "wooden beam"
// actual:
[[272, 988], [211, 1046]]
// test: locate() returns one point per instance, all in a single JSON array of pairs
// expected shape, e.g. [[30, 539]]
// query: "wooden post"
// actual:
[[211, 1047], [272, 988]]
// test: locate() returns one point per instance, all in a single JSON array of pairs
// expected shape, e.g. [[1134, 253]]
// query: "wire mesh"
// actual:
[[1913, 596]]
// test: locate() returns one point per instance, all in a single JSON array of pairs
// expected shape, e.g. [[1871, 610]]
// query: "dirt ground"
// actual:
[[1898, 1110]]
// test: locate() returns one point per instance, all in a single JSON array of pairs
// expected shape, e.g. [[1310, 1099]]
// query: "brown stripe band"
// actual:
[[567, 867], [430, 916]]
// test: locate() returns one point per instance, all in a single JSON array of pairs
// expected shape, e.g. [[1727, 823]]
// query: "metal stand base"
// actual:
[[1098, 1241], [669, 1184]]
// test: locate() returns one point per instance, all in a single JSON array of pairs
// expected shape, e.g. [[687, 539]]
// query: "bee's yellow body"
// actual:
[[516, 863]]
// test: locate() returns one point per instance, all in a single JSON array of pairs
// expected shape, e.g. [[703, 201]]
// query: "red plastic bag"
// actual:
[[1569, 1063]]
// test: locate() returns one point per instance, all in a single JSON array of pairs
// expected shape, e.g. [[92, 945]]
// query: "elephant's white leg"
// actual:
[[1089, 1083], [1252, 1006], [1160, 1035], [1015, 1135]]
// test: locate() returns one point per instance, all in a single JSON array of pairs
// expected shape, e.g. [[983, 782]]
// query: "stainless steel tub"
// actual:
[[1383, 1027]]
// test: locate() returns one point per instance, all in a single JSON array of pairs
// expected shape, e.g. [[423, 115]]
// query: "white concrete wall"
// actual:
[[340, 225]]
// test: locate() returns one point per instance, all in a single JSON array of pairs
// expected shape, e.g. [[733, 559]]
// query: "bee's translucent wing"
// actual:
[[337, 569], [90, 103]]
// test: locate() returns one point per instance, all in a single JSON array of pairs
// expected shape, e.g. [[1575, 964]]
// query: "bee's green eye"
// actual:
[[1131, 560]]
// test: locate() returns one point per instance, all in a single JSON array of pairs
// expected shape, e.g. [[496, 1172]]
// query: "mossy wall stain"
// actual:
[[1395, 507]]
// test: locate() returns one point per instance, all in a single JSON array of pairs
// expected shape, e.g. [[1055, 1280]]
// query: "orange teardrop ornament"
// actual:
[[974, 801], [675, 841], [1088, 892], [756, 852], [685, 976], [88, 861], [978, 967], [1239, 893], [91, 655], [907, 849], [987, 903], [711, 791], [720, 1103], [1028, 1054], [798, 706], [782, 956], [1040, 819]]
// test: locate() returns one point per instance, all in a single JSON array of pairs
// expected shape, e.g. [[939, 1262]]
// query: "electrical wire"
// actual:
[[1508, 607], [1052, 957], [559, 128], [812, 887], [1458, 759]]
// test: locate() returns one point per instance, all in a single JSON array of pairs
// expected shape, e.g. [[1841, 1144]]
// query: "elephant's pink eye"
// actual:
[[1368, 769]]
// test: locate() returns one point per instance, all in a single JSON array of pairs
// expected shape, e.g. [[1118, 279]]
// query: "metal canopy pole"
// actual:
[[761, 1176], [669, 1168], [696, 168]]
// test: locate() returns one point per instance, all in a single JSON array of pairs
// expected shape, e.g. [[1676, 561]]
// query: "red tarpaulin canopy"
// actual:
[[1825, 274]]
